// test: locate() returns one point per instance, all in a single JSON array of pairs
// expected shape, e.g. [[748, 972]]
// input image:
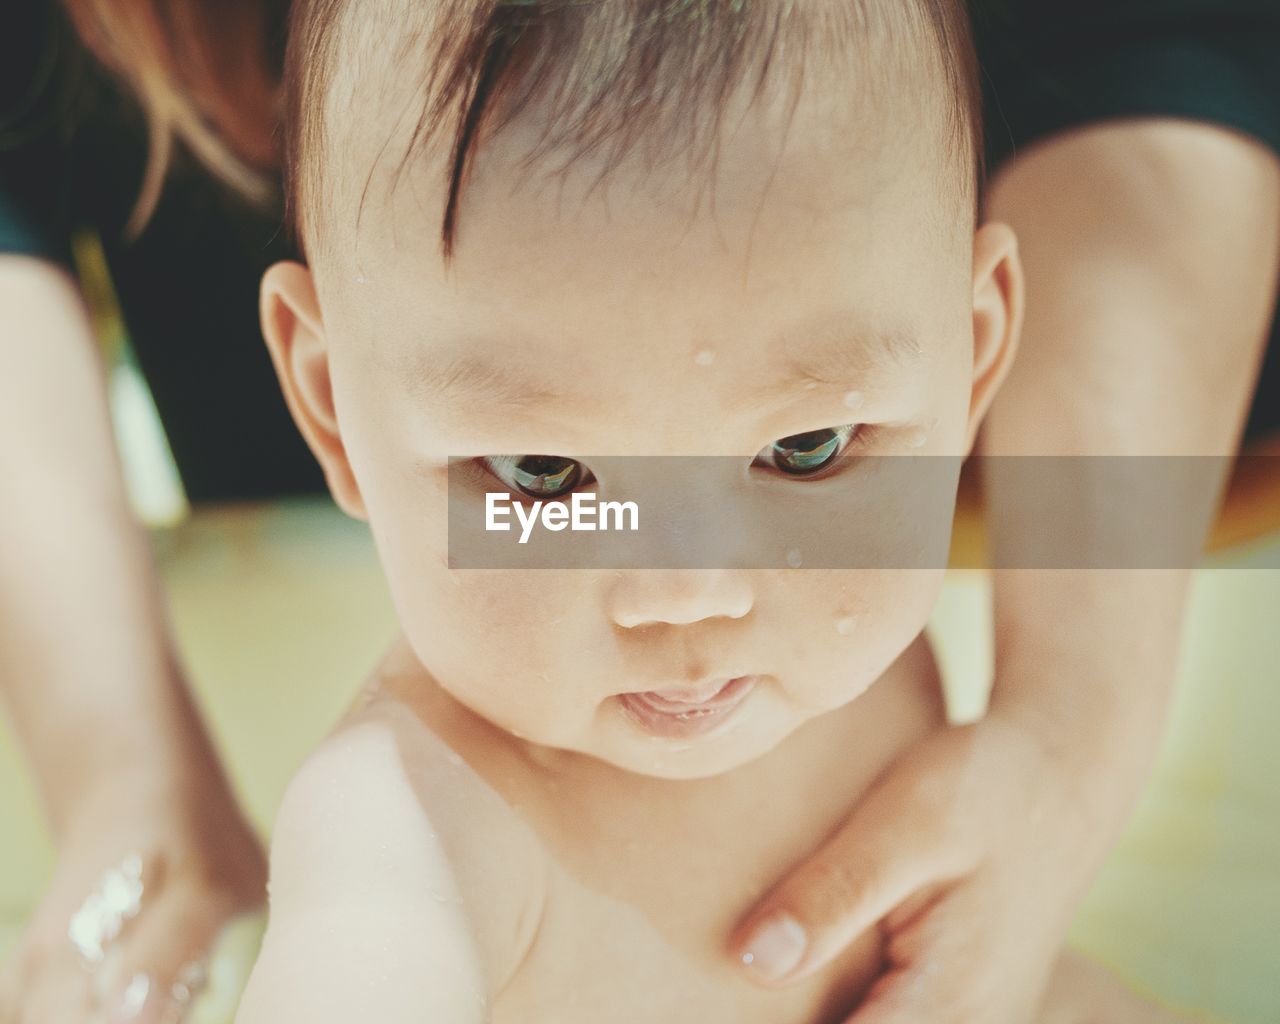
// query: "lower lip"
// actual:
[[669, 721]]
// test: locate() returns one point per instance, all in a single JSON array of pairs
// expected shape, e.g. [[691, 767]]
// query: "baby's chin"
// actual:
[[686, 766]]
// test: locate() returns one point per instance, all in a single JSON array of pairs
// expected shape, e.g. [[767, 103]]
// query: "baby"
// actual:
[[579, 231]]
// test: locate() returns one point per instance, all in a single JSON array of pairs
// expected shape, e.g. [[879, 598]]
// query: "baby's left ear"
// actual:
[[997, 316]]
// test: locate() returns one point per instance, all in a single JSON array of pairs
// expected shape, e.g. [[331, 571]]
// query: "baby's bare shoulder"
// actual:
[[350, 827], [367, 915], [398, 816]]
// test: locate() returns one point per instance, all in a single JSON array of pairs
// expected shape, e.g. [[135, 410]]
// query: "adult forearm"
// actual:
[[1150, 253], [85, 664]]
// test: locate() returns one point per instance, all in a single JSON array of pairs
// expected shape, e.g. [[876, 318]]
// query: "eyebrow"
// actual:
[[837, 351], [465, 377], [831, 351]]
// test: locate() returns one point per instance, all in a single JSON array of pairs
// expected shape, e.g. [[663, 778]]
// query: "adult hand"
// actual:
[[167, 860], [972, 853]]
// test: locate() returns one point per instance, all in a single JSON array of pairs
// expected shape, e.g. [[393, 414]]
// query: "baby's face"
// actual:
[[625, 321]]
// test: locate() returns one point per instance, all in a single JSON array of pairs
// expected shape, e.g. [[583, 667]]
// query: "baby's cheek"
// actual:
[[479, 611], [855, 627], [505, 623]]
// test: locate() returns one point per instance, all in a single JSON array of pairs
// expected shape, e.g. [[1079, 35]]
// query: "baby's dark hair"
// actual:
[[618, 72]]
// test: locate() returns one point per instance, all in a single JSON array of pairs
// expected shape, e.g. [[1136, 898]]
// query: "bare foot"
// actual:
[[1082, 991]]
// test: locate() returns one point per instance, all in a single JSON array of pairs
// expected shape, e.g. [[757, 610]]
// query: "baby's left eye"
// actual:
[[811, 452]]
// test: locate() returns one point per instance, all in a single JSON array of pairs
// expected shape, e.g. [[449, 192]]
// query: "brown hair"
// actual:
[[205, 72], [613, 66]]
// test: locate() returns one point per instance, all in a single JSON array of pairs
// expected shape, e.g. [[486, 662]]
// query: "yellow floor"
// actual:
[[281, 609]]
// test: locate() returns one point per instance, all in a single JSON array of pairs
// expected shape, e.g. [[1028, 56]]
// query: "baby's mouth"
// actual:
[[683, 712], [711, 694]]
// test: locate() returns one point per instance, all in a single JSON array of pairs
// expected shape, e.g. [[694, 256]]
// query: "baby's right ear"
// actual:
[[294, 330]]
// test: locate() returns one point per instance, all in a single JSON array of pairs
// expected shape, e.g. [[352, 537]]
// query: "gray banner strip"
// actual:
[[858, 512]]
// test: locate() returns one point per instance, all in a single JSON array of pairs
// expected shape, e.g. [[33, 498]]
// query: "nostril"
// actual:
[[639, 623], [677, 599], [638, 619]]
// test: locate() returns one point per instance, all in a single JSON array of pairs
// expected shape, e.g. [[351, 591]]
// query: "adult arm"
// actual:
[[90, 678], [1150, 250]]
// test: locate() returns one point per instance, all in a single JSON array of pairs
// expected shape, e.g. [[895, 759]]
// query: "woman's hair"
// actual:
[[206, 72]]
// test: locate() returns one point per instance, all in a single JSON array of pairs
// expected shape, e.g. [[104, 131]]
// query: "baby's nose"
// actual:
[[679, 597]]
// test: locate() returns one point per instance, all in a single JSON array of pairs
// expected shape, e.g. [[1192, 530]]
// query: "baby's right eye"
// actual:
[[538, 476]]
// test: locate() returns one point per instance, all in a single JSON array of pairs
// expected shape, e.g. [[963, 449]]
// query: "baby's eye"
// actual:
[[811, 452], [538, 476]]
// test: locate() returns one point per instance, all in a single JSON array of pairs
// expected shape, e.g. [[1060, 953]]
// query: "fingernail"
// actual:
[[776, 947]]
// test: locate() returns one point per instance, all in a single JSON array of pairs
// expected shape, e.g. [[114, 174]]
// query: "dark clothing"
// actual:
[[72, 150], [72, 153], [1051, 65]]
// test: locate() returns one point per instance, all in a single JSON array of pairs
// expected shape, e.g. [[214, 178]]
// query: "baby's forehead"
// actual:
[[759, 225]]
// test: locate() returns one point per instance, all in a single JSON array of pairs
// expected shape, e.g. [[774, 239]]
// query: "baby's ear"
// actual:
[[997, 316], [294, 330]]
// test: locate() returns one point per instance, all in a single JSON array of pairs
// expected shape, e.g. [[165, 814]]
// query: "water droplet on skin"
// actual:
[[705, 357], [852, 399], [810, 385], [455, 758], [794, 558], [921, 436], [135, 996], [846, 624]]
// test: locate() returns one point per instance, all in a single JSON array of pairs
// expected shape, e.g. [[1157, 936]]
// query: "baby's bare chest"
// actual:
[[648, 947], [641, 902]]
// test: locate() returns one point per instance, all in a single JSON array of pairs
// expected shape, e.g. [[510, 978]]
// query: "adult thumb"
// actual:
[[886, 852]]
